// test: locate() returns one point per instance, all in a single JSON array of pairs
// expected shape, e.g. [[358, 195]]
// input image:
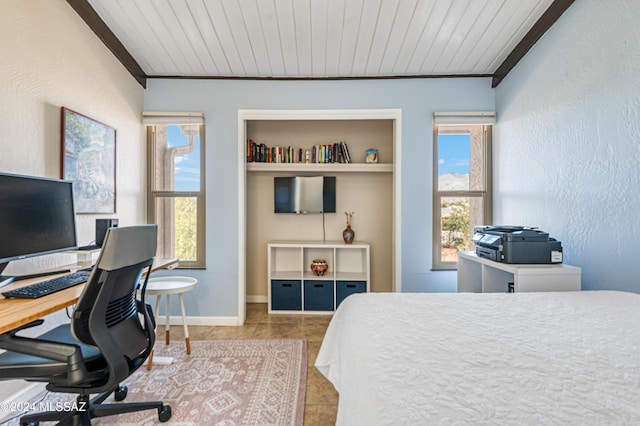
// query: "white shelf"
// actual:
[[285, 275], [298, 244], [481, 275], [351, 276], [289, 265], [320, 167], [84, 256]]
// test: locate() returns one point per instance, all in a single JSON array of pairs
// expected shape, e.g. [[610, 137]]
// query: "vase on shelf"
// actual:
[[348, 235]]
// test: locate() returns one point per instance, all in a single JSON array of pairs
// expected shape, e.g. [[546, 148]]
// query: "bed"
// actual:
[[495, 359]]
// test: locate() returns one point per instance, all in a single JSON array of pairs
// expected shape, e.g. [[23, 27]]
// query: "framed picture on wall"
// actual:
[[89, 160]]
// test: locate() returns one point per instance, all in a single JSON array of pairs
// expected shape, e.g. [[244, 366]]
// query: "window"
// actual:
[[176, 196], [462, 183]]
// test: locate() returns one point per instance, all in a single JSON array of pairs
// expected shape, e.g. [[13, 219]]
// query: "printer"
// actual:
[[516, 244]]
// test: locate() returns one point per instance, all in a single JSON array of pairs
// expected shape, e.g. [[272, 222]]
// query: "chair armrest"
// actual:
[[25, 345], [68, 353], [25, 326], [34, 346]]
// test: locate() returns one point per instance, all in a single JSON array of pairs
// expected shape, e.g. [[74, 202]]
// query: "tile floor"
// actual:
[[321, 399]]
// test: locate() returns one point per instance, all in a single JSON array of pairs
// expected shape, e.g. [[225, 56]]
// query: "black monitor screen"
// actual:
[[37, 216], [304, 194]]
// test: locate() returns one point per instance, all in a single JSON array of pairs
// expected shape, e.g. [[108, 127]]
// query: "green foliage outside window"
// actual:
[[186, 213], [455, 227]]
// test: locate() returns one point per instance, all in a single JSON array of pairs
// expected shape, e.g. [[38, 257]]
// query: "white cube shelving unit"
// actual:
[[294, 288]]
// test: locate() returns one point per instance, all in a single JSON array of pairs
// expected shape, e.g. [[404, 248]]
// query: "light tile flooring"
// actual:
[[321, 399]]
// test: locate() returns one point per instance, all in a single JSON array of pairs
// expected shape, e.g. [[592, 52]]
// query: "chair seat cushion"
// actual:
[[28, 367]]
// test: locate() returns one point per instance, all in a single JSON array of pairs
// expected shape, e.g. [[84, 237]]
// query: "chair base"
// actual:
[[84, 409]]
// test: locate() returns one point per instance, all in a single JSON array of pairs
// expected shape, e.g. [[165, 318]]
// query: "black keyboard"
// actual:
[[33, 291]]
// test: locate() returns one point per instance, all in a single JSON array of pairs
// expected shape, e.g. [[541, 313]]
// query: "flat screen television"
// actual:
[[37, 217], [304, 194]]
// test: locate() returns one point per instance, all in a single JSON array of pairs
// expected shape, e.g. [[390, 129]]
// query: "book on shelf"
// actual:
[[345, 152], [323, 153]]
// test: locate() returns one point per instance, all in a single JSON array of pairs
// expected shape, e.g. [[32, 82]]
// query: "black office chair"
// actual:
[[110, 335]]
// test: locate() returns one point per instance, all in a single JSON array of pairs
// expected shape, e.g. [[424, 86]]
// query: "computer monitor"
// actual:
[[37, 217], [304, 194]]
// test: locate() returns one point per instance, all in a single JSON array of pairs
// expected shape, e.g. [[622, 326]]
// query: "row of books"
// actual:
[[331, 153]]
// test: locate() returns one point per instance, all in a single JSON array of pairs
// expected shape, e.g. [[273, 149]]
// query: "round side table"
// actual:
[[166, 286]]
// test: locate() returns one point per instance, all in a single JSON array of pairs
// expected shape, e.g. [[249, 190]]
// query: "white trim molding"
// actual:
[[206, 321], [463, 117]]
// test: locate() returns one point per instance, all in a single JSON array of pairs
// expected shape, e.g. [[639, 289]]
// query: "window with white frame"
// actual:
[[462, 182], [176, 185]]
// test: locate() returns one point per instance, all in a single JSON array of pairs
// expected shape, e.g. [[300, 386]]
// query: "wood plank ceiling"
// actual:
[[319, 39]]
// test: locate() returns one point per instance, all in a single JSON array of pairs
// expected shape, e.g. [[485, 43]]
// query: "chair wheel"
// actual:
[[120, 393], [164, 413]]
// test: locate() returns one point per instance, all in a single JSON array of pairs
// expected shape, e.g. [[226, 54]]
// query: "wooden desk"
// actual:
[[17, 312]]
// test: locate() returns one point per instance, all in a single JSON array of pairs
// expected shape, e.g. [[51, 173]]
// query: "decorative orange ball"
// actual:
[[319, 267]]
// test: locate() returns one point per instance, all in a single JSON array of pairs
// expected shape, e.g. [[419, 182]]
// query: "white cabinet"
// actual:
[[480, 275], [294, 288]]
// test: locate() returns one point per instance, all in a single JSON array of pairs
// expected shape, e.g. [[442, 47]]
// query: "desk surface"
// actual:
[[17, 312]]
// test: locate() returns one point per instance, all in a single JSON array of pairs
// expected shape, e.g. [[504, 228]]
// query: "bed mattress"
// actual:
[[557, 358]]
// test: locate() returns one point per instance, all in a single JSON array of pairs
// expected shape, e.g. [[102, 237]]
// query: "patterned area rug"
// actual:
[[222, 382]]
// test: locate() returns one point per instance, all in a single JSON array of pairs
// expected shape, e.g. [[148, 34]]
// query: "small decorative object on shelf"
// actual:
[[319, 266], [371, 156], [348, 234]]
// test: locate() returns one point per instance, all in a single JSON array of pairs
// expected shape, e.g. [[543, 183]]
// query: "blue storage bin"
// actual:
[[318, 295], [345, 288], [286, 295]]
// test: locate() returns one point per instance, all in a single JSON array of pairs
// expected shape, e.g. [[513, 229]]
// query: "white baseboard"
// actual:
[[257, 299], [211, 321]]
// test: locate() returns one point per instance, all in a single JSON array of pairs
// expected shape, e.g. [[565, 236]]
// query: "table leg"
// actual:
[[155, 314], [184, 324], [150, 360], [166, 325]]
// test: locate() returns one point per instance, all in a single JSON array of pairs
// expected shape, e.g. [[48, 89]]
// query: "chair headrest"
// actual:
[[127, 246]]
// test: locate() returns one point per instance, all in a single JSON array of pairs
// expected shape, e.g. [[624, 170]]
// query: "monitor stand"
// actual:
[[5, 279], [8, 279]]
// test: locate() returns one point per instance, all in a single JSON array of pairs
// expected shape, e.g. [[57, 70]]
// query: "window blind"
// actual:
[[154, 118], [453, 118]]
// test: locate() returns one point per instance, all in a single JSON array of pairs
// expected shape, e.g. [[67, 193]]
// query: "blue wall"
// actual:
[[567, 143], [220, 101]]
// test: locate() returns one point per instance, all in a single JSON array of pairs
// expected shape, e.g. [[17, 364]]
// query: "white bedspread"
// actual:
[[562, 358]]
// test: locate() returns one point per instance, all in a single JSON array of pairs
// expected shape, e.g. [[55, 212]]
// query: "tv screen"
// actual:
[[304, 194], [37, 217]]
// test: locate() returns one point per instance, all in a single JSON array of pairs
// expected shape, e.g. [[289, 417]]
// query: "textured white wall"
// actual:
[[50, 58], [567, 143]]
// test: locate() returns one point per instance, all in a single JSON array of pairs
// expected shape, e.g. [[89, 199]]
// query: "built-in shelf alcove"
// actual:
[[371, 190]]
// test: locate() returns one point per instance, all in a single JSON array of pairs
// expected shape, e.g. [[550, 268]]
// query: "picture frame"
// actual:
[[88, 158], [371, 156]]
